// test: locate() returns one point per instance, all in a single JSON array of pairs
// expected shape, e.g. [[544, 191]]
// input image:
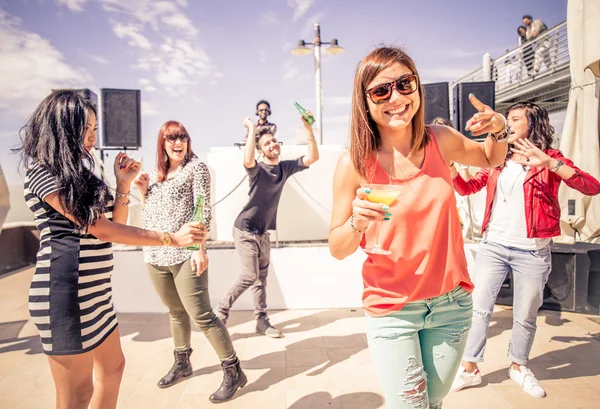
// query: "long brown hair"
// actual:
[[364, 135], [541, 133], [162, 160]]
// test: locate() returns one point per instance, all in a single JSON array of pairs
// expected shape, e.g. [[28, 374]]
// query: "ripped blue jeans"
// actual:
[[416, 351]]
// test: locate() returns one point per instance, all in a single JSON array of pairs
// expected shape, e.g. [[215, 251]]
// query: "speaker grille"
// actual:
[[462, 108], [437, 102], [121, 118]]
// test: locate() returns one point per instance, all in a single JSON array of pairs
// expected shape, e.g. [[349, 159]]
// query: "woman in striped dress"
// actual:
[[70, 297]]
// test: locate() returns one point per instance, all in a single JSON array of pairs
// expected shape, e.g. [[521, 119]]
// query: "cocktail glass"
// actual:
[[385, 195]]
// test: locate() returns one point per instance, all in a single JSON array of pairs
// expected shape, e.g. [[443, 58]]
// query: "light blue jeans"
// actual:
[[417, 350], [530, 271]]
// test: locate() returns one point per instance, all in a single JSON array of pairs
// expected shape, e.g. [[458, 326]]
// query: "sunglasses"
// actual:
[[405, 85], [173, 138]]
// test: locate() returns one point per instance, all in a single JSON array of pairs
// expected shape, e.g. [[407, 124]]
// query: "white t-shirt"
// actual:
[[507, 224]]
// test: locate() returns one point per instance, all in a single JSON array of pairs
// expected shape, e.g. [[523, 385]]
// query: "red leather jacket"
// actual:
[[542, 210]]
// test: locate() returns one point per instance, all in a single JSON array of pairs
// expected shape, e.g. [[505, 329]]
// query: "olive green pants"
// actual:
[[186, 295]]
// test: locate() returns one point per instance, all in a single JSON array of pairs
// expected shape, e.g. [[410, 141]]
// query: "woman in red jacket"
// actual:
[[522, 215]]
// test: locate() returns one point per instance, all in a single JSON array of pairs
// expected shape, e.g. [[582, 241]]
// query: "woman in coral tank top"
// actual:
[[417, 299]]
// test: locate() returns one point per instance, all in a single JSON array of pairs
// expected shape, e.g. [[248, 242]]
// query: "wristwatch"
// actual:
[[166, 239], [559, 163]]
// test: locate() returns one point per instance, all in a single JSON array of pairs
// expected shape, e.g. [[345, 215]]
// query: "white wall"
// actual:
[[304, 209]]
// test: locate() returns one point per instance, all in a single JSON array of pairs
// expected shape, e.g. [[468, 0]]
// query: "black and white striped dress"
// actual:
[[70, 297]]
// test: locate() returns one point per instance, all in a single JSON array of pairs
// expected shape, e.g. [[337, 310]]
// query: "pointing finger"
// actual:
[[480, 106]]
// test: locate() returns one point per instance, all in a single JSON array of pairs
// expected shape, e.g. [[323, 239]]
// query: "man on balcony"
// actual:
[[535, 28]]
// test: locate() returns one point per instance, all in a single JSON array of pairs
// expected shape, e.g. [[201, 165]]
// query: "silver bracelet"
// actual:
[[354, 227]]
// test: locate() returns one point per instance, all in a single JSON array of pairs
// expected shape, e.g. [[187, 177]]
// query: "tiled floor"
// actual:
[[323, 362]]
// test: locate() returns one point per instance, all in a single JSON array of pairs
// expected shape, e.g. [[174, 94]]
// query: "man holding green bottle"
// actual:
[[250, 232]]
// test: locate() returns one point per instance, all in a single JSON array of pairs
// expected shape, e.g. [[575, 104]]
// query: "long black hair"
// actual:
[[53, 138], [541, 133]]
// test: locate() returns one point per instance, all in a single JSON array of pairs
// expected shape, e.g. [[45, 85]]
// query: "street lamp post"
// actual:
[[302, 49]]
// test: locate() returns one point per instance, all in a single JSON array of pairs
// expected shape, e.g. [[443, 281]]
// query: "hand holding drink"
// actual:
[[307, 115], [384, 195], [198, 216]]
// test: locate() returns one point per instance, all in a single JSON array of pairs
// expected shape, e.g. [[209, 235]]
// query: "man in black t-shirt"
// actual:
[[250, 232]]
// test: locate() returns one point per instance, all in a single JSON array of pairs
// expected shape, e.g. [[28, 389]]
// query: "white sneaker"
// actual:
[[465, 379], [527, 381]]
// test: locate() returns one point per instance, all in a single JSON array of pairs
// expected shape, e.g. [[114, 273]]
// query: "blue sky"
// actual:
[[206, 63]]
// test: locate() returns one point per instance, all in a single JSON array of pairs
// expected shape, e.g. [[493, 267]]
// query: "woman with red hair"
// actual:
[[179, 275]]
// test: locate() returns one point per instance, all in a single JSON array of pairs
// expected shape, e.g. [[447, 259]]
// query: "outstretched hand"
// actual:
[[531, 155], [486, 120]]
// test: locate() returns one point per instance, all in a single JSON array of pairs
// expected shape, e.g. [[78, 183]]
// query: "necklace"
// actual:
[[506, 196]]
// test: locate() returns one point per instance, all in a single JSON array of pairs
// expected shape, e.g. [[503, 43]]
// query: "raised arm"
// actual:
[[125, 169], [313, 150], [250, 150], [455, 147]]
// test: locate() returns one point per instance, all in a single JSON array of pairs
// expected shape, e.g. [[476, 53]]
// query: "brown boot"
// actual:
[[182, 368], [233, 379]]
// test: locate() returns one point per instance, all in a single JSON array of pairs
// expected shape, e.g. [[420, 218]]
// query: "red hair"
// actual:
[[162, 160]]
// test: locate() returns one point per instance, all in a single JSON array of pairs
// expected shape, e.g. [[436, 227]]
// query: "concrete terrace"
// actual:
[[323, 362]]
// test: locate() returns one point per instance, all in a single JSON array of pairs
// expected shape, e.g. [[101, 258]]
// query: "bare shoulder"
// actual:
[[345, 172]]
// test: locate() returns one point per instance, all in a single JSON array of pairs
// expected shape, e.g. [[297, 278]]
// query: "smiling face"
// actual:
[[89, 139], [399, 111], [268, 146], [176, 148], [263, 111]]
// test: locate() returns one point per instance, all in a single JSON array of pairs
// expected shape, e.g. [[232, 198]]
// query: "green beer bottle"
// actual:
[[309, 118], [198, 216]]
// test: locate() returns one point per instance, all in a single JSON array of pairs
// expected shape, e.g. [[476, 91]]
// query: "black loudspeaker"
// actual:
[[437, 102], [121, 118], [574, 282], [462, 110]]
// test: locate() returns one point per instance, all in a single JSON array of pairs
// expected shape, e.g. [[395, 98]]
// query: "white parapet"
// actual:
[[299, 278]]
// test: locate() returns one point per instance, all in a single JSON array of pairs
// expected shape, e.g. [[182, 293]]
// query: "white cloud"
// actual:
[[308, 31], [178, 65], [300, 7], [73, 5], [291, 72], [173, 59], [149, 88], [144, 81], [148, 109], [132, 33], [181, 23], [97, 58], [31, 67], [270, 19]]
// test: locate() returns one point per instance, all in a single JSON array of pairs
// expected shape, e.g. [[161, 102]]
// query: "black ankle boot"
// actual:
[[233, 379], [182, 368]]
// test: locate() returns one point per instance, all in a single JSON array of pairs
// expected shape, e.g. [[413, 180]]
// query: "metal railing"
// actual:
[[530, 61]]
